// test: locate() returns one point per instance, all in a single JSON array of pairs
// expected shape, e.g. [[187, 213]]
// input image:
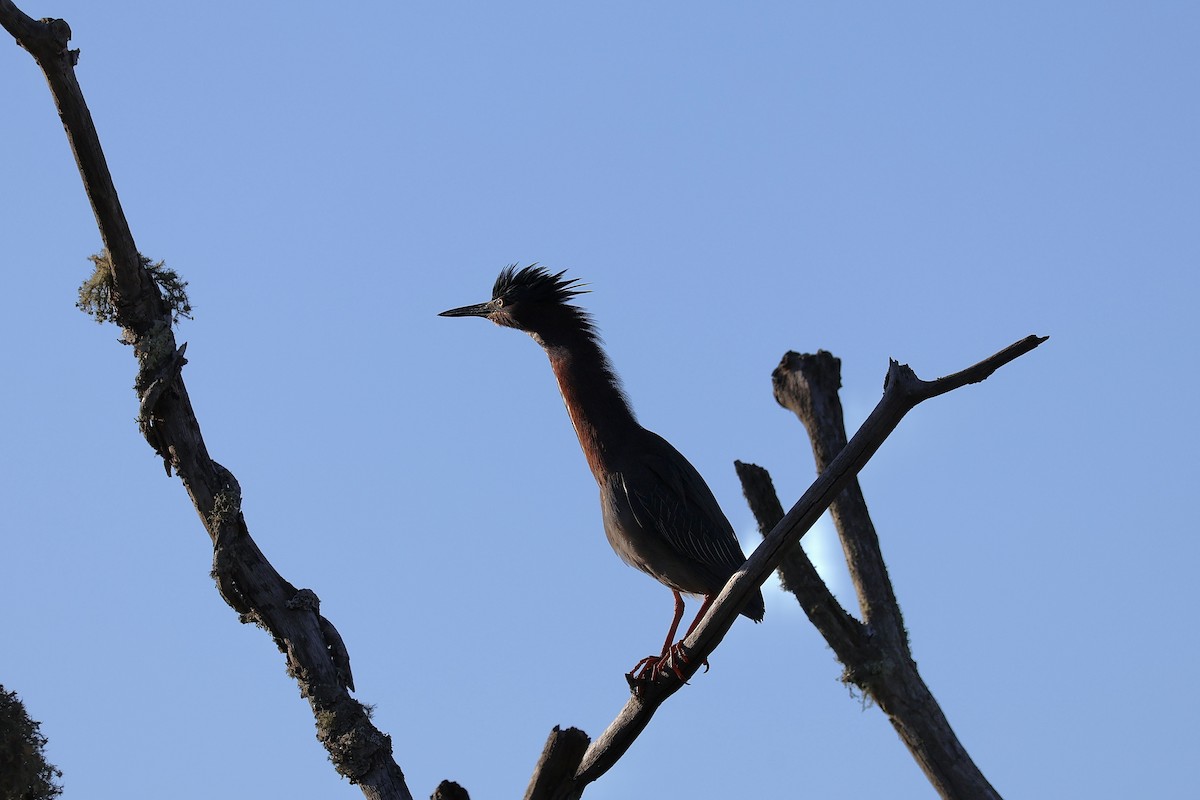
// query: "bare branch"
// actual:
[[884, 668], [807, 385], [46, 40], [316, 655], [560, 759]]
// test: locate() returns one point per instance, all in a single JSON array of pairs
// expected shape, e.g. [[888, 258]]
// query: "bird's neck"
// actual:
[[603, 420]]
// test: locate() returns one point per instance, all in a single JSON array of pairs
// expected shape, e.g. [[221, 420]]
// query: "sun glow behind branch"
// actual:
[[823, 549]]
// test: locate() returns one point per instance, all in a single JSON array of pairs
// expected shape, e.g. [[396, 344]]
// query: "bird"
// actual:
[[659, 515]]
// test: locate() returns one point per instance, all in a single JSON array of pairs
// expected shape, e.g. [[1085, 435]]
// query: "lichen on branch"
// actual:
[[96, 293]]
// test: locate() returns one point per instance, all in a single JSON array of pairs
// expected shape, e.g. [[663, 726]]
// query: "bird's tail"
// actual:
[[755, 608]]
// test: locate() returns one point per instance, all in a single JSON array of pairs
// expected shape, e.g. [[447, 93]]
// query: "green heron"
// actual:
[[659, 514]]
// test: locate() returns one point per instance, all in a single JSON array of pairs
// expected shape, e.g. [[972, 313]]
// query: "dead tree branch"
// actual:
[[874, 652], [903, 391], [802, 385], [316, 656], [560, 759]]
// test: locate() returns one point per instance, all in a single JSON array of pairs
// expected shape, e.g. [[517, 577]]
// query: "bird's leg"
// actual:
[[675, 650], [708, 601], [648, 665], [674, 623]]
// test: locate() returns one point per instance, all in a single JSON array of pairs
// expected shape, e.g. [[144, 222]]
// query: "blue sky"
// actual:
[[927, 183]]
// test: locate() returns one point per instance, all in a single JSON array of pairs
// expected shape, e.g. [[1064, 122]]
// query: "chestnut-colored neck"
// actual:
[[603, 420]]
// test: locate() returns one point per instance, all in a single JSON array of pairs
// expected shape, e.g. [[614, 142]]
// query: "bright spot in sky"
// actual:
[[825, 552]]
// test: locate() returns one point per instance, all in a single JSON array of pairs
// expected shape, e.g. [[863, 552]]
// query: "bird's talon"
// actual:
[[642, 667]]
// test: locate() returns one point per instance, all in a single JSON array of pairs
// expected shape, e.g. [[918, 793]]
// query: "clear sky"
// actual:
[[927, 182]]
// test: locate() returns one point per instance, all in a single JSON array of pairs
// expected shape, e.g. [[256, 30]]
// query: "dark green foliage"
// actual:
[[96, 296], [24, 772]]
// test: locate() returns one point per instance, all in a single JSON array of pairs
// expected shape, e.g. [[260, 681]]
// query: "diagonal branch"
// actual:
[[903, 391], [316, 655], [46, 40]]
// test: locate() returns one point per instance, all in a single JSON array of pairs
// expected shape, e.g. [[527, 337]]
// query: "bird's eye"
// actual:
[[498, 302]]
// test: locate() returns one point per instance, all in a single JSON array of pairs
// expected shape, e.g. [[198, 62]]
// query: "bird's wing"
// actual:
[[673, 499]]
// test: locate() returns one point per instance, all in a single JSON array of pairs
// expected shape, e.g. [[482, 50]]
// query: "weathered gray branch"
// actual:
[[875, 653], [316, 657], [560, 759], [903, 391], [807, 385]]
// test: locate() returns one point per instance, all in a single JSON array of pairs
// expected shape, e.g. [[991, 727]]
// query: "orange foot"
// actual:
[[650, 668]]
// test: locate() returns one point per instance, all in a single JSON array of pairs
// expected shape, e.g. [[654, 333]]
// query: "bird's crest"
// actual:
[[535, 287], [536, 284]]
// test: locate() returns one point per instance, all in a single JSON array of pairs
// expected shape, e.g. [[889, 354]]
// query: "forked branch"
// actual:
[[874, 652]]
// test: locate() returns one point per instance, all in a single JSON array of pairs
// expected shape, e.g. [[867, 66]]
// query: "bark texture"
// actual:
[[316, 655], [874, 652]]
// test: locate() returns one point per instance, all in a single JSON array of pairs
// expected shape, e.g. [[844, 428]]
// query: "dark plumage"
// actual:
[[659, 514]]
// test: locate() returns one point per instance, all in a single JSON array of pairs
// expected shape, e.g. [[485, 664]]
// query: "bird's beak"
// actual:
[[477, 310]]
